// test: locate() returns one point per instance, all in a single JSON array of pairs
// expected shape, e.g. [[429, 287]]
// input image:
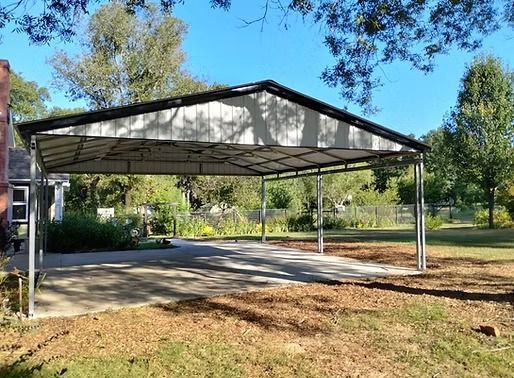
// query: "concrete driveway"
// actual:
[[90, 282]]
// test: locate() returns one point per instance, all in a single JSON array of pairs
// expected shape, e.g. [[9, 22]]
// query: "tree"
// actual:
[[341, 188], [361, 35], [126, 57], [28, 99], [227, 192], [481, 127]]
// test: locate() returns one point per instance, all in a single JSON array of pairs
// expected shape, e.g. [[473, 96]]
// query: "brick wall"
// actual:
[[4, 147]]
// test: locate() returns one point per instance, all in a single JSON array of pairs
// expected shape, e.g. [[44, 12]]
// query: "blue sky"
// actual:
[[220, 49]]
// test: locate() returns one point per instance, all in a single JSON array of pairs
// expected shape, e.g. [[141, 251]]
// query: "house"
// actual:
[[15, 172], [18, 178]]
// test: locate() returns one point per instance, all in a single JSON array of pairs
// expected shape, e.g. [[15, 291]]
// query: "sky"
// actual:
[[221, 49]]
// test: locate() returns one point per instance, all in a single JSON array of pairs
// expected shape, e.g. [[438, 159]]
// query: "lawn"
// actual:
[[400, 326]]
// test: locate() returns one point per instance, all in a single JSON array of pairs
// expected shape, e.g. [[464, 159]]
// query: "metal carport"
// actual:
[[259, 129]]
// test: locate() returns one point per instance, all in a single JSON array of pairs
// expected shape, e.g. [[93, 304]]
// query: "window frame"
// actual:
[[20, 203]]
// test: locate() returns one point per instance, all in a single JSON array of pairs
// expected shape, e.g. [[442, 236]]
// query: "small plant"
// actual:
[[208, 230], [433, 222]]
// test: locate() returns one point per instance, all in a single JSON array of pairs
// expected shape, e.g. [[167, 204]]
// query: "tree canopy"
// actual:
[[481, 127], [126, 58], [362, 36], [28, 99]]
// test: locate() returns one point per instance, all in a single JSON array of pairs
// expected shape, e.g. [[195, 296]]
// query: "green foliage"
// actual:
[[277, 225], [227, 192], [481, 128], [27, 99], [506, 197], [502, 218], [238, 225], [301, 223], [433, 222], [282, 195], [441, 178], [162, 220], [79, 232], [88, 192], [127, 57], [336, 223], [341, 188]]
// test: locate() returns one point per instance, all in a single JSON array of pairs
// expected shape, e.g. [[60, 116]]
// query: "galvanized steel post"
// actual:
[[319, 189], [422, 217], [41, 209], [263, 209], [419, 212], [32, 225]]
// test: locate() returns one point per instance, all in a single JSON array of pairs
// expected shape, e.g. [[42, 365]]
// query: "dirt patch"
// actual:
[[490, 280]]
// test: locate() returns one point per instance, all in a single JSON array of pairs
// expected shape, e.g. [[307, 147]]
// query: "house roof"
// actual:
[[19, 167]]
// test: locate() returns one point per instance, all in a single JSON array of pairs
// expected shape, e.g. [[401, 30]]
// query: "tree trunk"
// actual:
[[128, 199], [490, 201]]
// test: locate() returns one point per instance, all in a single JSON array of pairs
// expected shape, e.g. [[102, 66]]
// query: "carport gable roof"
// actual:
[[252, 129]]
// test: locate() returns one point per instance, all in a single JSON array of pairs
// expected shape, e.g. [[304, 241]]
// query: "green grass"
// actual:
[[437, 344], [451, 237], [174, 359]]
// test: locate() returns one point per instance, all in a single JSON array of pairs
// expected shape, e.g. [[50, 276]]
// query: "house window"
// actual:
[[20, 202]]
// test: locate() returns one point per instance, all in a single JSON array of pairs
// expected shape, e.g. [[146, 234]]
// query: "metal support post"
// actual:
[[422, 217], [45, 229], [32, 225], [263, 210], [40, 223], [319, 189], [419, 213]]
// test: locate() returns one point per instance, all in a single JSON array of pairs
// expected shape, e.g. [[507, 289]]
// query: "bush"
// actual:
[[191, 227], [433, 222], [301, 223], [207, 230], [336, 223], [501, 218], [162, 220], [278, 224], [77, 232]]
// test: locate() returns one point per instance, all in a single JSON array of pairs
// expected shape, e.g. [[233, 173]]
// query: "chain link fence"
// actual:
[[379, 215]]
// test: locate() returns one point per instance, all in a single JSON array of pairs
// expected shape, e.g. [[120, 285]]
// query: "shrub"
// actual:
[[501, 218], [239, 227], [433, 222], [278, 224], [77, 232], [191, 227], [336, 223], [162, 220], [301, 223], [208, 230]]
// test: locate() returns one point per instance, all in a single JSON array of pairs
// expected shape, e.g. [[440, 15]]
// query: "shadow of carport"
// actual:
[[91, 282]]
